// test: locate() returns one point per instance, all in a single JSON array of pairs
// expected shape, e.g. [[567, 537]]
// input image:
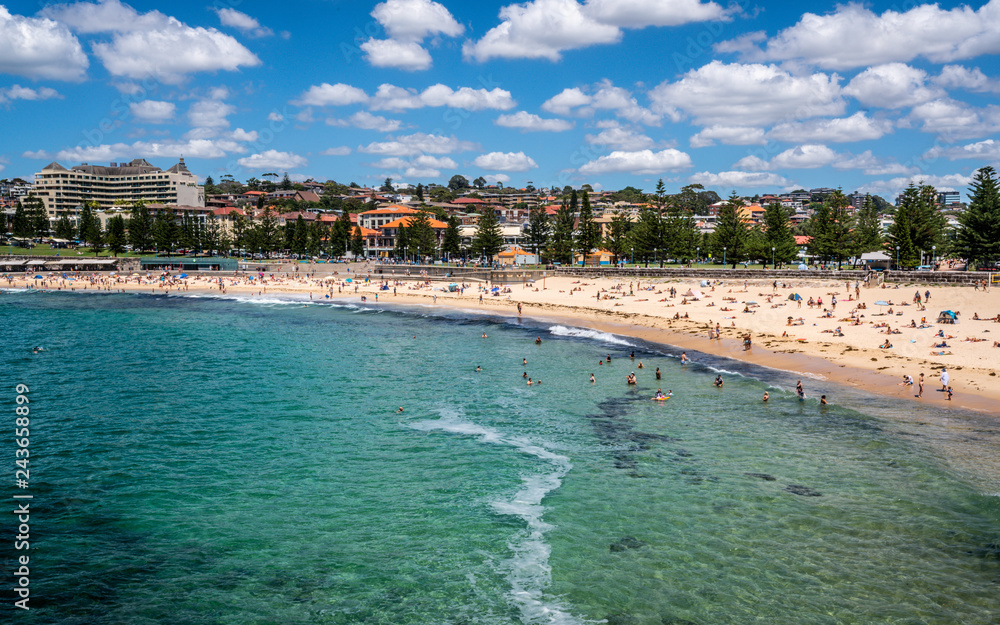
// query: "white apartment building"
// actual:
[[64, 191]]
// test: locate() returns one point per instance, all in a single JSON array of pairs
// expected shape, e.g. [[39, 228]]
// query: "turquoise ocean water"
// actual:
[[203, 460]]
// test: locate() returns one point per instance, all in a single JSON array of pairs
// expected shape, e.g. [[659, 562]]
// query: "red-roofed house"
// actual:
[[378, 217], [386, 239]]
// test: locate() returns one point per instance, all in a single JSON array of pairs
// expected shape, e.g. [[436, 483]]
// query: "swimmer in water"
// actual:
[[400, 409], [538, 341], [718, 381], [529, 381], [478, 368], [766, 396], [822, 400], [684, 357], [592, 380], [657, 373]]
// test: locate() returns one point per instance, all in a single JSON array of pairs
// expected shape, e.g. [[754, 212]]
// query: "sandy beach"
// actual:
[[785, 333]]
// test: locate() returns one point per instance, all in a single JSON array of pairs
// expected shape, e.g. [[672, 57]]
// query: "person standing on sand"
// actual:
[[944, 379], [920, 387]]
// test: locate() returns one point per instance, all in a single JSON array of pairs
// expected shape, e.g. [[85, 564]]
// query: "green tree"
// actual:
[[402, 248], [489, 235], [65, 229], [680, 232], [458, 182], [647, 240], [833, 234], [387, 186], [22, 226], [357, 243], [116, 235], [917, 226], [561, 242], [732, 231], [300, 236], [868, 231], [978, 236], [617, 241], [213, 234], [420, 192], [479, 182], [266, 231], [35, 211], [96, 237], [317, 232], [90, 225], [422, 238], [539, 229], [286, 182], [140, 227], [451, 244], [165, 230], [778, 234], [589, 233]]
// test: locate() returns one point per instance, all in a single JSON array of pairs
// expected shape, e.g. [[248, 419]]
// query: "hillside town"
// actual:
[[136, 206]]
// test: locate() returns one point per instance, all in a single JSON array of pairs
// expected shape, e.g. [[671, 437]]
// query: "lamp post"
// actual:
[[723, 256], [933, 257], [897, 258], [772, 258], [633, 256], [697, 254]]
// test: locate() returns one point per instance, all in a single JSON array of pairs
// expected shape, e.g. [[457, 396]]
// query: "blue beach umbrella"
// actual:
[[183, 275], [795, 297], [39, 277]]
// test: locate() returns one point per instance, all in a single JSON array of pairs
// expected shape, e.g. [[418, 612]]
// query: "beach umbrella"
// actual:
[[183, 275], [349, 280], [795, 297], [881, 303], [39, 277]]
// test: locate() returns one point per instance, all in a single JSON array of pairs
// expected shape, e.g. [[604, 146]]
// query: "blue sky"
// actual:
[[748, 97]]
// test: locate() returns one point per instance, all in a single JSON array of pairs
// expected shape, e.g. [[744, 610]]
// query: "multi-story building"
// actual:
[[64, 191]]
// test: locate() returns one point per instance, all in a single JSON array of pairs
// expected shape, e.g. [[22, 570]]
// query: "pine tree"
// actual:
[[868, 232], [588, 232], [65, 229], [90, 226], [22, 226], [778, 233], [35, 211], [140, 227], [423, 241], [978, 238], [165, 231], [561, 242], [267, 234], [647, 235], [679, 230], [489, 235], [539, 229], [357, 243], [617, 241], [300, 236], [420, 192], [732, 230], [917, 225], [452, 242], [835, 239], [401, 249], [116, 235]]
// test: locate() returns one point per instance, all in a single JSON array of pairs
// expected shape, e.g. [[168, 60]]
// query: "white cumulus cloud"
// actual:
[[17, 92], [529, 122], [808, 156], [413, 20], [729, 135], [540, 29], [620, 138], [643, 13], [755, 94], [326, 94], [988, 150], [602, 96], [342, 150], [417, 144], [39, 48], [273, 159], [152, 111], [407, 55], [638, 162], [893, 85], [857, 127], [960, 77], [505, 161], [738, 179], [242, 21], [853, 36], [367, 121], [391, 97]]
